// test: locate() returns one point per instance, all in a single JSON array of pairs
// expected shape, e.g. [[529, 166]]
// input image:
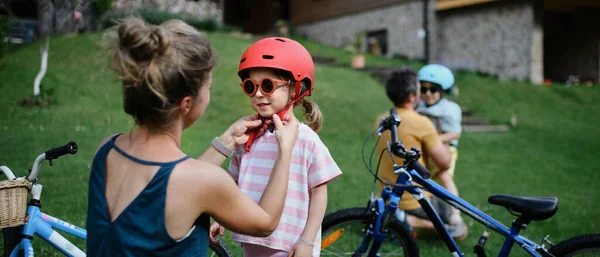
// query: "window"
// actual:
[[377, 42]]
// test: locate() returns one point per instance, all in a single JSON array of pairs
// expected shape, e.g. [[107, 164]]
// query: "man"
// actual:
[[402, 88]]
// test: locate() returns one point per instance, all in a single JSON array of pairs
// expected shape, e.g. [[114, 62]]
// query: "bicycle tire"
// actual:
[[365, 217], [11, 238], [218, 250], [577, 245]]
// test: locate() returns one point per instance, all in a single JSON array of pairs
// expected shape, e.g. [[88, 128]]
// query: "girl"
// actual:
[[147, 197], [277, 73]]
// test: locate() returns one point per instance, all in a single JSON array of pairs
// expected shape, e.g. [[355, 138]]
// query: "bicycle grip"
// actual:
[[54, 153], [421, 170]]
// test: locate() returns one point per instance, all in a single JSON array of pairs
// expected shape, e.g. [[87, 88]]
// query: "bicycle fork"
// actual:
[[383, 216]]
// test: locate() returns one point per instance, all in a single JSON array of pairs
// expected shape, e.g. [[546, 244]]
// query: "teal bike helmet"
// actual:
[[438, 74]]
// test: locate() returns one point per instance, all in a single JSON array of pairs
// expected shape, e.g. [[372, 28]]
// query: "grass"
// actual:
[[552, 152]]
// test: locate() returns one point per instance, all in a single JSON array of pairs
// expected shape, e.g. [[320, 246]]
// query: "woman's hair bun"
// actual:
[[142, 41]]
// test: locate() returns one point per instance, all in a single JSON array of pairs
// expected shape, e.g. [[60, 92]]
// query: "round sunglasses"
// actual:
[[432, 89], [267, 86]]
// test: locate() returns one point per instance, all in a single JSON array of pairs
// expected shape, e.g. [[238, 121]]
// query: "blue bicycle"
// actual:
[[377, 232], [17, 240]]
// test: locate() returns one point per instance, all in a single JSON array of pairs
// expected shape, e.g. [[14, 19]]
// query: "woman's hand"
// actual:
[[237, 133], [286, 134]]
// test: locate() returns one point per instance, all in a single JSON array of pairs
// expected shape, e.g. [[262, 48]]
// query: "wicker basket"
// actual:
[[13, 202]]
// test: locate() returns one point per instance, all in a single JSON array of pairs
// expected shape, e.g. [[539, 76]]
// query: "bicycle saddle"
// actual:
[[530, 208]]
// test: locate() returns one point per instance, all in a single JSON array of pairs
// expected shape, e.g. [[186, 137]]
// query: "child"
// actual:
[[437, 81], [276, 74]]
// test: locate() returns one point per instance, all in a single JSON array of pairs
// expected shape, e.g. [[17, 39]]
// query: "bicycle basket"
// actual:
[[13, 202]]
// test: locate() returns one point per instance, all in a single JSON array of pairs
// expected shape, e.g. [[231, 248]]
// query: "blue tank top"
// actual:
[[140, 229]]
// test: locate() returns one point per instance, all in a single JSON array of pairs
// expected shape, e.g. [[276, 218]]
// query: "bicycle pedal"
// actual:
[[479, 247]]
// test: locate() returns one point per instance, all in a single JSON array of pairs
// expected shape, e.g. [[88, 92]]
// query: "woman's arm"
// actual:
[[213, 155], [234, 136]]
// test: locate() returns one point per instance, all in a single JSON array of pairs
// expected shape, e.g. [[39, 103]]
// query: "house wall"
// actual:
[[403, 22], [494, 38], [527, 40], [305, 11]]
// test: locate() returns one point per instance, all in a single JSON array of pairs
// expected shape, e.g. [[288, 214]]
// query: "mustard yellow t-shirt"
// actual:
[[415, 130]]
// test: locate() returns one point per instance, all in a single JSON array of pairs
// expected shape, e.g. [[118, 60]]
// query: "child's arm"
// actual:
[[447, 137], [321, 170], [316, 212], [454, 118]]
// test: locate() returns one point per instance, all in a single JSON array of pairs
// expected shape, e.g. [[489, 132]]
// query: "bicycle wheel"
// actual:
[[218, 250], [344, 230], [11, 237], [583, 245]]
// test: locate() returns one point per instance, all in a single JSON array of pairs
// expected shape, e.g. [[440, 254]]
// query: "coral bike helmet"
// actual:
[[438, 74], [283, 54]]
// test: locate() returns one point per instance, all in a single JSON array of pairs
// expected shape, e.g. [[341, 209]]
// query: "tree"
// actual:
[[45, 21], [56, 16]]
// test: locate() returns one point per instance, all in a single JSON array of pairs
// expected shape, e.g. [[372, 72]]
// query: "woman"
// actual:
[[146, 197]]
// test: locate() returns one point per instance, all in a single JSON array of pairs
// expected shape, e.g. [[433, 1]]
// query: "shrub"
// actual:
[[157, 17]]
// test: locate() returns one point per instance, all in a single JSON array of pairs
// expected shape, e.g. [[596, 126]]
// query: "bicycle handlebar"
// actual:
[[411, 157], [416, 165], [52, 154], [9, 174]]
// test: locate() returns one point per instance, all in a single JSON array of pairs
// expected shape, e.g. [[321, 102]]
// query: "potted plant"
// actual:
[[283, 28], [358, 59]]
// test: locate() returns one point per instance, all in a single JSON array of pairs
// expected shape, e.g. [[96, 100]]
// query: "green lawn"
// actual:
[[552, 152]]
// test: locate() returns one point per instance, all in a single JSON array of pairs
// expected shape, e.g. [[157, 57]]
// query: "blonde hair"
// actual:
[[312, 114], [158, 66]]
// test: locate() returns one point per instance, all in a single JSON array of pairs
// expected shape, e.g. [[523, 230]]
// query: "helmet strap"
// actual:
[[298, 88], [283, 111], [281, 114], [297, 97]]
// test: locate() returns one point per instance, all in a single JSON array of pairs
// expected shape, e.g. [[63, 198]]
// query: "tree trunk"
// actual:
[[43, 68], [45, 25], [45, 18], [63, 18]]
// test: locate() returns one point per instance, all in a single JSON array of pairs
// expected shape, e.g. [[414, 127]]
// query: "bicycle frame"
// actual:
[[41, 224], [393, 196], [511, 234]]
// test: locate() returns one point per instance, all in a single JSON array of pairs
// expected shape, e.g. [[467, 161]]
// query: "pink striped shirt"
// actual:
[[311, 165]]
